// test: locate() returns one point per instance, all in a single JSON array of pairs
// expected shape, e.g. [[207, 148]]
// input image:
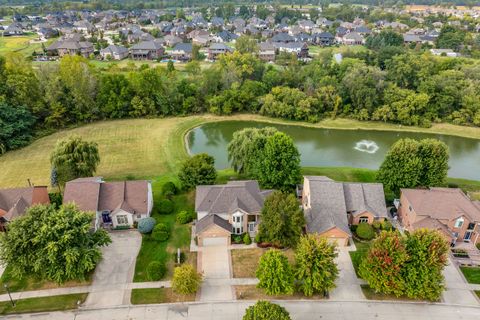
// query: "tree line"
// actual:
[[387, 83]]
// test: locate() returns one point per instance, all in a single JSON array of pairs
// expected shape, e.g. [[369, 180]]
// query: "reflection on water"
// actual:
[[367, 146], [336, 148]]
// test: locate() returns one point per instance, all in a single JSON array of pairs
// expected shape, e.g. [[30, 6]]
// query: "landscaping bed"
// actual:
[[370, 294], [245, 261], [44, 304], [472, 274], [158, 295], [251, 292]]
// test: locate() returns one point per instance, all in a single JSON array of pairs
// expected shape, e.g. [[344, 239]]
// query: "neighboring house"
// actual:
[[14, 202], [114, 52], [299, 48], [448, 210], [116, 204], [324, 38], [330, 206], [15, 29], [71, 47], [147, 50], [266, 51], [182, 51], [352, 38], [217, 49], [171, 40], [223, 210]]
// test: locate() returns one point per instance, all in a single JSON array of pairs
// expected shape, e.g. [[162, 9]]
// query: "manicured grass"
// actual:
[[158, 295], [477, 292], [245, 261], [146, 148], [251, 292], [179, 236], [472, 274], [359, 254], [53, 303], [28, 283], [370, 294], [22, 44]]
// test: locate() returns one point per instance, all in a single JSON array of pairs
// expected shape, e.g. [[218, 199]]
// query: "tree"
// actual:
[[186, 280], [246, 44], [282, 220], [146, 225], [198, 170], [386, 38], [450, 38], [410, 163], [75, 158], [15, 127], [428, 255], [246, 146], [52, 244], [278, 166], [382, 267], [274, 273], [265, 310], [315, 269]]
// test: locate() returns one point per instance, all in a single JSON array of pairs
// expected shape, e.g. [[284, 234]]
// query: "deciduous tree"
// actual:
[[199, 169], [265, 310], [275, 274]]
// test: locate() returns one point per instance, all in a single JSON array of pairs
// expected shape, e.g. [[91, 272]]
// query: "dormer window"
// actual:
[[459, 222]]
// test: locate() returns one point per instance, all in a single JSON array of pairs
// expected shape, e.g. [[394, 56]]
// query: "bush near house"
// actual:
[[184, 217], [365, 231], [165, 206], [156, 270], [169, 189], [246, 239], [265, 310], [160, 232], [146, 225]]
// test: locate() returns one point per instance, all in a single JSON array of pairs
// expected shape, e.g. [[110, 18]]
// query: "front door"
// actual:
[[468, 236]]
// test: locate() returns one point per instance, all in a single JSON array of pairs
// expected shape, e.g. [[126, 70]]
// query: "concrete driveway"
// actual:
[[348, 285], [457, 291], [215, 265], [115, 270]]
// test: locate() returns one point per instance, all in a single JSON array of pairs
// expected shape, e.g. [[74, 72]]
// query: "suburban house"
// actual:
[[182, 51], [217, 49], [223, 210], [116, 204], [147, 50], [330, 207], [266, 51], [14, 202], [448, 210], [71, 47], [114, 52]]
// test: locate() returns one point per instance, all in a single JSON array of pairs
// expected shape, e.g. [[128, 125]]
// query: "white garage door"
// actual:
[[215, 241]]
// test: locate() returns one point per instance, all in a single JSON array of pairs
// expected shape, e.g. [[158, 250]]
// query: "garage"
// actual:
[[215, 241]]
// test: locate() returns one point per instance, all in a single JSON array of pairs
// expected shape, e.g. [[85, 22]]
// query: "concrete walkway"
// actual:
[[458, 290], [215, 266], [299, 310], [115, 271], [348, 285]]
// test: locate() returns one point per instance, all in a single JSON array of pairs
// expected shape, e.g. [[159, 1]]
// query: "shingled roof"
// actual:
[[14, 202], [212, 219]]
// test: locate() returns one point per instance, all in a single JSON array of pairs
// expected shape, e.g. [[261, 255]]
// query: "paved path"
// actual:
[[458, 291], [348, 285], [299, 310], [115, 271], [215, 265]]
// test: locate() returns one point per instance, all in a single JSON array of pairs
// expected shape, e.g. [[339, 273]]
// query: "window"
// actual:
[[122, 219], [459, 223], [363, 220], [139, 216], [410, 208]]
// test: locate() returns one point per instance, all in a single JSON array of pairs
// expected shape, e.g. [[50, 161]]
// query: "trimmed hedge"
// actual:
[[169, 189], [146, 225], [246, 239], [365, 231], [156, 270], [165, 206], [184, 217], [161, 232]]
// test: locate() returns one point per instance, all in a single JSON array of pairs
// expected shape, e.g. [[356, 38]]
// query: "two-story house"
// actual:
[[447, 210], [223, 210]]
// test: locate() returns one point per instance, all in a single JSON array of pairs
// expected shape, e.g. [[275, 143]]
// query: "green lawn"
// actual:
[[158, 295], [22, 44], [359, 254], [54, 303], [472, 274], [179, 236], [370, 294], [477, 292]]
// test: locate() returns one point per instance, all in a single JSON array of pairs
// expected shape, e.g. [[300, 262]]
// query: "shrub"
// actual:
[[246, 239], [165, 206], [365, 231], [236, 238], [169, 189], [160, 232], [265, 310], [55, 199], [376, 225], [156, 270], [387, 225], [186, 280], [257, 238], [478, 246], [146, 225], [184, 217]]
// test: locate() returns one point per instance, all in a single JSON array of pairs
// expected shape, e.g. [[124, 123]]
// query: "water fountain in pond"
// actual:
[[367, 146]]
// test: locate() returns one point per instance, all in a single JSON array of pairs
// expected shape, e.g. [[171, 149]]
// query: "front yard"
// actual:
[[158, 295], [370, 294], [54, 303], [251, 292], [245, 261], [357, 256], [472, 274]]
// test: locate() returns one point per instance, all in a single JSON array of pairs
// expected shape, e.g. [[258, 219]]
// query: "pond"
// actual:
[[334, 147]]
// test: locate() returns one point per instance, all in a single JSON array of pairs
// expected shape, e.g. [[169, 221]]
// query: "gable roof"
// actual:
[[442, 203], [14, 202], [218, 199], [210, 220]]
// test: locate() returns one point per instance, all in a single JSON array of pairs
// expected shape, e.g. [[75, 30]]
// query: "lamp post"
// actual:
[[9, 295]]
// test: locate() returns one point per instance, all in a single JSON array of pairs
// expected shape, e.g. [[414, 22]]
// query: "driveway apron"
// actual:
[[216, 270]]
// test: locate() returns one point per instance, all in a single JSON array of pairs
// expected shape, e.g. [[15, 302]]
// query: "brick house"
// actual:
[[447, 210]]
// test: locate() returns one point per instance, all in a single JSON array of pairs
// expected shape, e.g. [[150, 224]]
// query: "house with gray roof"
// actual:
[[217, 49], [147, 50], [182, 51], [330, 207], [114, 52], [223, 210], [72, 47]]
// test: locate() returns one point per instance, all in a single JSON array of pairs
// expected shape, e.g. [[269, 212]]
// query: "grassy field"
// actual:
[[472, 274], [158, 295], [316, 50], [245, 261], [22, 44], [54, 303]]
